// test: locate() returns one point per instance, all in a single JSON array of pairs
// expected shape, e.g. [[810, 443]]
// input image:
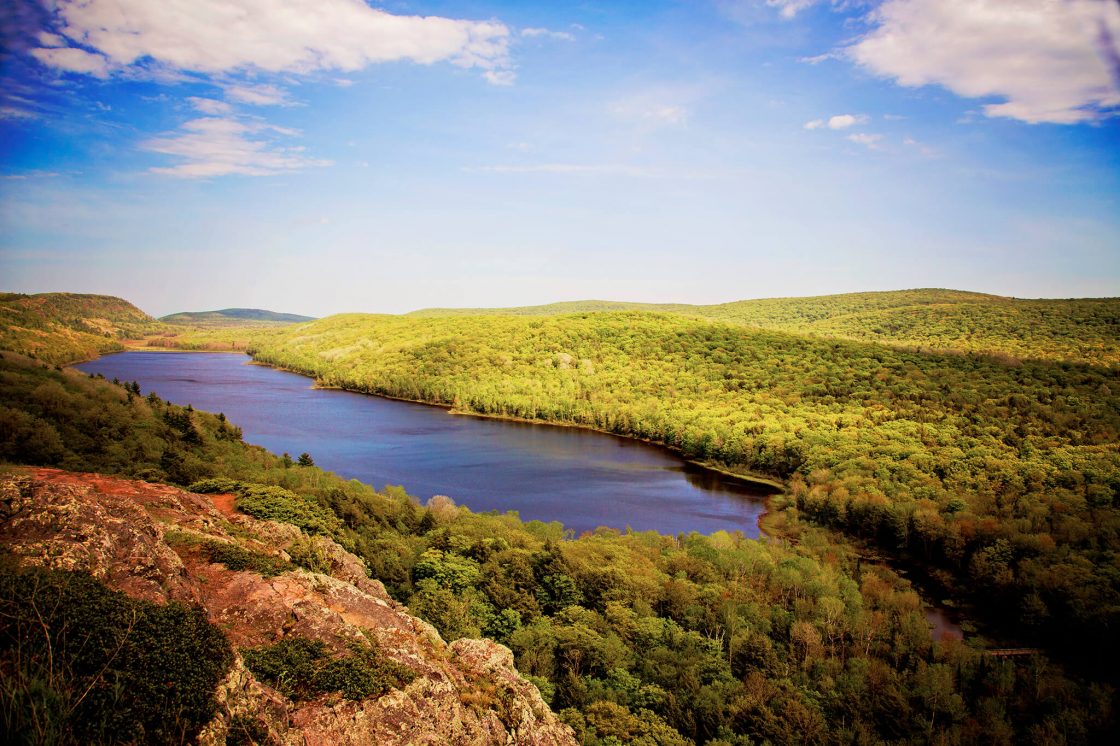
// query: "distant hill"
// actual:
[[234, 317], [67, 327], [1083, 330]]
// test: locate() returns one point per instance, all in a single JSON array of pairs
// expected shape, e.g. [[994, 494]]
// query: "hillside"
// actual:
[[66, 327], [1080, 330], [629, 637], [368, 673], [1001, 481], [233, 317]]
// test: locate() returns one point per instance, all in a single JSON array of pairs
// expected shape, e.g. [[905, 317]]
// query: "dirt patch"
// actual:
[[226, 503]]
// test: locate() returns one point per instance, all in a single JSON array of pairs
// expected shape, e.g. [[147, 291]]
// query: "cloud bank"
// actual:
[[102, 37], [1043, 57]]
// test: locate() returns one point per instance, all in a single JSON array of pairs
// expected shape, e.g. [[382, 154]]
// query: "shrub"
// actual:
[[271, 503], [300, 668], [83, 663], [236, 558]]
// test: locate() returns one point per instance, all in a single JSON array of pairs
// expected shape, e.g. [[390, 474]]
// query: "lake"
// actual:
[[582, 478]]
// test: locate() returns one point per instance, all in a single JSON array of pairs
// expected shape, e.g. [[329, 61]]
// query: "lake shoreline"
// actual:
[[771, 486]]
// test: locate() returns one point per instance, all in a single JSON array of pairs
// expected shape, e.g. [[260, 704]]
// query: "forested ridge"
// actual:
[[1084, 330], [64, 327], [633, 638], [998, 478]]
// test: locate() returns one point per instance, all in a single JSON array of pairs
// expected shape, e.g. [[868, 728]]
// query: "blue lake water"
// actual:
[[583, 479]]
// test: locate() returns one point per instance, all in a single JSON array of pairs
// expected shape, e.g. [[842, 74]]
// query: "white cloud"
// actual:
[[500, 77], [268, 35], [48, 39], [210, 105], [259, 95], [817, 59], [531, 33], [215, 146], [790, 8], [843, 121], [1040, 56], [865, 139], [837, 122], [74, 60]]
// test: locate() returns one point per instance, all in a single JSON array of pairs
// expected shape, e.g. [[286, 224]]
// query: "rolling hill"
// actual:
[[233, 317], [66, 327], [1082, 330]]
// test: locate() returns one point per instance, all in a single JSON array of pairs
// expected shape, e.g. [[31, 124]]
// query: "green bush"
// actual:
[[302, 669], [271, 503], [83, 663], [237, 558]]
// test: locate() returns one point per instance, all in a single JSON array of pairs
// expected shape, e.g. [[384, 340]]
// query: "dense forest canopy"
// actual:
[[633, 638], [1000, 478], [1085, 330]]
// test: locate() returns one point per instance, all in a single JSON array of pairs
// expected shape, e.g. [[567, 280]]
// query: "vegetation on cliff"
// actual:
[[633, 637], [85, 664]]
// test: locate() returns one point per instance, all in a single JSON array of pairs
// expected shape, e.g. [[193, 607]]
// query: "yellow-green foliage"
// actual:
[[1079, 330], [654, 638], [219, 338], [1002, 479], [66, 327]]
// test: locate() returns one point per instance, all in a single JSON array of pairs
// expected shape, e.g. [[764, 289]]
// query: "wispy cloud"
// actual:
[[259, 95], [210, 105], [1040, 56], [866, 139], [534, 33], [297, 36], [16, 112], [30, 175], [790, 8], [215, 146], [837, 122]]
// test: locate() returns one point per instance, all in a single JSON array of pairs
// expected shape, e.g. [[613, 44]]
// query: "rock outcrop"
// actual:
[[145, 539]]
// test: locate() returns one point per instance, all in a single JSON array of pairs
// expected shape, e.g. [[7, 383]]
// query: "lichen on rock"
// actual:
[[145, 540]]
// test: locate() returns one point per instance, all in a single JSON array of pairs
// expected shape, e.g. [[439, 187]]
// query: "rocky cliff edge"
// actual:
[[146, 540]]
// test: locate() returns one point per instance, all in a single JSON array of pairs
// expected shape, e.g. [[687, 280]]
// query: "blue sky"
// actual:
[[318, 156]]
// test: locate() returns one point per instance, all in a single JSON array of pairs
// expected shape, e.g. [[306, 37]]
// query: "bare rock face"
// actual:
[[144, 539]]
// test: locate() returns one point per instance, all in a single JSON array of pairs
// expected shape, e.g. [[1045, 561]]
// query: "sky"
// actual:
[[322, 156]]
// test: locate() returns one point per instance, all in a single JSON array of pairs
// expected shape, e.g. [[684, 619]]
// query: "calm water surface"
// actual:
[[583, 479]]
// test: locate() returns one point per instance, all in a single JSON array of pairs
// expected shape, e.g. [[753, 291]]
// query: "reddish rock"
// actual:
[[143, 539]]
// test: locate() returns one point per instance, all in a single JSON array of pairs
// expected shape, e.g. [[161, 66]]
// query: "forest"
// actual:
[[632, 637], [1078, 330], [995, 477]]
